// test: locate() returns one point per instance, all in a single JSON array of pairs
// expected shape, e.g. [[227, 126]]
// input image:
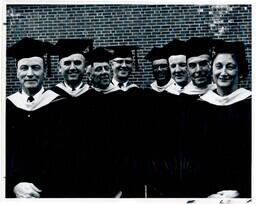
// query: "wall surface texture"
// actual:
[[142, 25]]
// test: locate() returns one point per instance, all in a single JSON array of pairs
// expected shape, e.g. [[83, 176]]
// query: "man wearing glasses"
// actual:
[[199, 66], [161, 70], [122, 64]]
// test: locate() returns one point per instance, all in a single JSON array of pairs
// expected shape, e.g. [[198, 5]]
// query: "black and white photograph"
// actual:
[[127, 100]]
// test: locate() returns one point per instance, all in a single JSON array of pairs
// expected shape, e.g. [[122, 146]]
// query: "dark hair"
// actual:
[[237, 50]]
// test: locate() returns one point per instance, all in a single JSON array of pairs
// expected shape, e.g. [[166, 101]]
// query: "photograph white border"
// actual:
[[3, 7]]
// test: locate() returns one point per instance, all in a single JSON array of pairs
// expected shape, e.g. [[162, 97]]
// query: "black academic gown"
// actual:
[[154, 107], [89, 158], [219, 141], [66, 158], [153, 162], [28, 145], [114, 125], [128, 137], [168, 164]]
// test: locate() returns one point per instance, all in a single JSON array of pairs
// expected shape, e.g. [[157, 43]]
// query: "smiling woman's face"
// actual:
[[225, 70]]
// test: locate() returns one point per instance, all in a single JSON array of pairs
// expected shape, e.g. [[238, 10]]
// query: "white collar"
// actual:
[[126, 85], [40, 100], [236, 96], [109, 89], [191, 89], [175, 88], [70, 89], [82, 88], [157, 88], [36, 96]]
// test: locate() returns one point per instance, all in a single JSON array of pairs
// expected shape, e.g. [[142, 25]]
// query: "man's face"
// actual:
[[72, 68], [178, 66], [200, 70], [225, 70], [161, 71], [30, 73], [122, 68], [101, 75]]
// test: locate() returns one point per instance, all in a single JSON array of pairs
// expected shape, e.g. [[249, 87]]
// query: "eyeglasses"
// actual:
[[161, 66], [203, 63], [181, 64], [121, 61]]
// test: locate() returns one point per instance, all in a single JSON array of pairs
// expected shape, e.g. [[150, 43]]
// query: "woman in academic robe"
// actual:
[[222, 136]]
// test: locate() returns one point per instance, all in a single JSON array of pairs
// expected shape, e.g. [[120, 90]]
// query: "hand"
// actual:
[[26, 190], [119, 194], [225, 194]]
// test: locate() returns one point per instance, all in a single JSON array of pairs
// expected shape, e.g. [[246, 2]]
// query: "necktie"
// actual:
[[30, 99], [120, 85]]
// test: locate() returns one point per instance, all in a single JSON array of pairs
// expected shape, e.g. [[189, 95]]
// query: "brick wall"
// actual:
[[142, 25]]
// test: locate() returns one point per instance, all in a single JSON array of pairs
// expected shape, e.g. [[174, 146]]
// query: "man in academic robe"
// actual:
[[95, 150], [114, 104], [100, 71], [176, 52], [122, 64], [72, 64], [199, 66], [166, 165], [161, 70], [29, 113], [198, 58]]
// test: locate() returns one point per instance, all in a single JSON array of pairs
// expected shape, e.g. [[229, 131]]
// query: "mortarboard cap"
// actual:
[[28, 47], [236, 48], [99, 54], [227, 47], [123, 51], [175, 47], [66, 47], [198, 46], [156, 53]]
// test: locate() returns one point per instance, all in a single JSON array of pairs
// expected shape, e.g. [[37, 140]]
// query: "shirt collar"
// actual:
[[70, 89], [36, 96], [115, 82]]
